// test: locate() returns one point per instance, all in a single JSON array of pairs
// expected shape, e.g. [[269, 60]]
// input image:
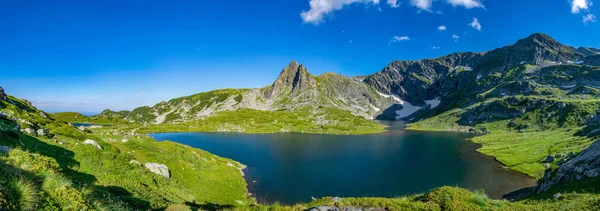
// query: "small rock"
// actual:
[[43, 115], [82, 128], [558, 155], [93, 143], [239, 202], [4, 149], [43, 132], [557, 196], [337, 199], [547, 165], [135, 162], [549, 159], [159, 169], [125, 140], [29, 131]]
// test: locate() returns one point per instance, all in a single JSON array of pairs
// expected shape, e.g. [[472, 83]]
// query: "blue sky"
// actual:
[[90, 55]]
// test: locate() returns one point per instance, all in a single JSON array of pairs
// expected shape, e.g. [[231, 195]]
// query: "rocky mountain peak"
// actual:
[[294, 76], [539, 47], [538, 39], [2, 94]]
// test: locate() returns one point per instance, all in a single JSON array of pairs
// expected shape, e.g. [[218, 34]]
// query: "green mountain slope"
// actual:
[[45, 165]]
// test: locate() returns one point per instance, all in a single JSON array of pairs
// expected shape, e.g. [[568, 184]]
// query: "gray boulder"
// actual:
[[159, 169], [43, 132], [29, 131], [4, 149], [43, 115], [549, 159], [93, 143]]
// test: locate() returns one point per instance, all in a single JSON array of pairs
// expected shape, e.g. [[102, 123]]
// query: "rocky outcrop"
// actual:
[[294, 76], [418, 81], [93, 143], [2, 94], [585, 165], [159, 169]]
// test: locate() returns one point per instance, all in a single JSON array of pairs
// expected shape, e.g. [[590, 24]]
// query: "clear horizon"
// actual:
[[91, 56]]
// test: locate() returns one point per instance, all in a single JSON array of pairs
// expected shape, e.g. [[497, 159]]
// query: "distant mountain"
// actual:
[[294, 88], [402, 90]]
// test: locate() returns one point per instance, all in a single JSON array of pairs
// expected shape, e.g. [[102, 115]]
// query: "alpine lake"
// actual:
[[291, 168]]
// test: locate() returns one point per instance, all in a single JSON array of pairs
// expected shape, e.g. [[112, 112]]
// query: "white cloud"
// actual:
[[139, 94], [203, 47], [320, 8], [466, 3], [393, 3], [475, 24], [351, 41], [422, 4], [589, 18], [455, 37], [442, 28], [435, 47], [578, 5], [399, 39]]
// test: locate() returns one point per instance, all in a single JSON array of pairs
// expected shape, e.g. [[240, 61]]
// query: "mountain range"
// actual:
[[401, 90]]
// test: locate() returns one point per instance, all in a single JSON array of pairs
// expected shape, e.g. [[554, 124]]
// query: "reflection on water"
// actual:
[[293, 167]]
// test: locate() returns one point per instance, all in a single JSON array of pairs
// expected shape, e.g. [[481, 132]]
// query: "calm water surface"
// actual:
[[293, 167]]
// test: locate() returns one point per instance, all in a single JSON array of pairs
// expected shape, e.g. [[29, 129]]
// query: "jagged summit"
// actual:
[[2, 94], [294, 76], [538, 39], [538, 47]]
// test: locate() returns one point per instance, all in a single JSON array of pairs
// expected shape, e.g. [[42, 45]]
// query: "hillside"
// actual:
[[45, 164]]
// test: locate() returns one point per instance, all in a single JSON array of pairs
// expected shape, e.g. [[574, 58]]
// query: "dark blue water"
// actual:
[[293, 167]]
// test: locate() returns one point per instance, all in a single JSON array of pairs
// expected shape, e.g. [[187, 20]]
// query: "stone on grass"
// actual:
[[43, 132], [135, 162], [557, 195], [159, 169], [125, 140], [549, 159], [93, 143], [29, 131]]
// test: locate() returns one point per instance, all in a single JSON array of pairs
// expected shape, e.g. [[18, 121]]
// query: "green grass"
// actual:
[[40, 174], [306, 120], [525, 152]]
